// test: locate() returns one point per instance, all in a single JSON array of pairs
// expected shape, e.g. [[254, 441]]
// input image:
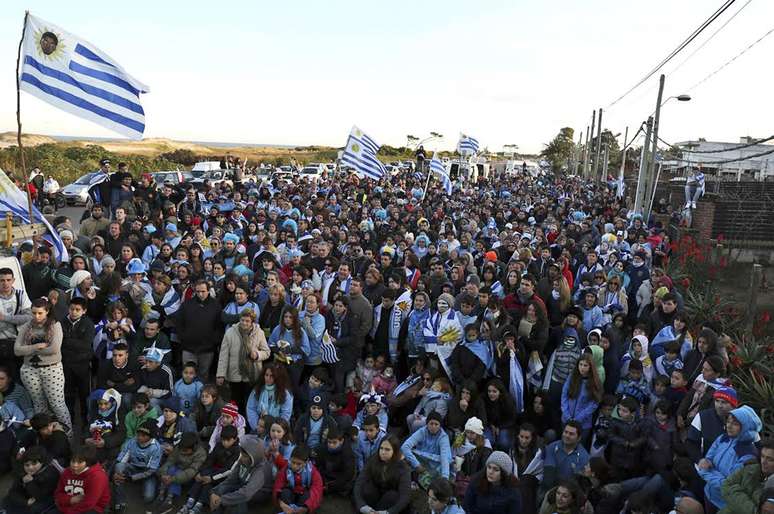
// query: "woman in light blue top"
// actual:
[[313, 324], [292, 344], [271, 396]]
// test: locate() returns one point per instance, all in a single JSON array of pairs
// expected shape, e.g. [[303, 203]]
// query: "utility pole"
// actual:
[[599, 146], [623, 164], [639, 198], [651, 185], [593, 124], [586, 153], [575, 154], [603, 177]]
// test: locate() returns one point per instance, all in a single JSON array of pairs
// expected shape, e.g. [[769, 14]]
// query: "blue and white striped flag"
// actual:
[[360, 154], [437, 167], [14, 200], [70, 73], [467, 145]]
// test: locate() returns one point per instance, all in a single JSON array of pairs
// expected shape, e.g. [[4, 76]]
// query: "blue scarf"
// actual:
[[306, 476], [481, 350], [406, 384]]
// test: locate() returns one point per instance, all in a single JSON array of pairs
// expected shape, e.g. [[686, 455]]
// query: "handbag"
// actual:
[[328, 352]]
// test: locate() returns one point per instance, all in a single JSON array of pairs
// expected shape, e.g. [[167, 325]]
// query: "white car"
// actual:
[[313, 171], [77, 193]]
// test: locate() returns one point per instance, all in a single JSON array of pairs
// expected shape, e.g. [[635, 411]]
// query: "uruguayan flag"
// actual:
[[70, 73], [437, 167], [360, 154], [13, 200], [467, 145]]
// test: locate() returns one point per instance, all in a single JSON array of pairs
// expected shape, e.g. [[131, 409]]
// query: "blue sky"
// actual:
[[505, 72]]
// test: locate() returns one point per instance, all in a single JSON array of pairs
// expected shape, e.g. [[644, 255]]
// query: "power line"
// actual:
[[731, 60], [677, 50], [724, 161], [710, 38]]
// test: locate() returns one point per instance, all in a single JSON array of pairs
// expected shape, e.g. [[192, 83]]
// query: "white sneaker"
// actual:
[[687, 205], [693, 205]]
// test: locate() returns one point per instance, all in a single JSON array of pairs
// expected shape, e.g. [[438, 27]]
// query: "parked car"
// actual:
[[313, 171], [214, 177], [160, 177], [77, 193]]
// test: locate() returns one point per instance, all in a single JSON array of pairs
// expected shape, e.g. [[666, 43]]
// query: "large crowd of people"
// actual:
[[514, 347]]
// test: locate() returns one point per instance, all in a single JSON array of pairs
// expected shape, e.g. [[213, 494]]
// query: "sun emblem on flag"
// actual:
[[355, 147], [358, 133], [50, 45]]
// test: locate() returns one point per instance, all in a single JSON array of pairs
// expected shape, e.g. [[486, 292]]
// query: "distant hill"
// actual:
[[9, 139]]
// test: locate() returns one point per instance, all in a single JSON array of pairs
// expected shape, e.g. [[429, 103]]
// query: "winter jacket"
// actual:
[[627, 441], [337, 468], [92, 484], [198, 325], [186, 465], [456, 417], [306, 482], [742, 490], [498, 500], [133, 421], [661, 443], [314, 326], [437, 401], [206, 419], [230, 351], [109, 376], [77, 339], [581, 408], [432, 448], [729, 454], [384, 477], [244, 482], [111, 429], [221, 460], [41, 488], [342, 331], [303, 429], [168, 435]]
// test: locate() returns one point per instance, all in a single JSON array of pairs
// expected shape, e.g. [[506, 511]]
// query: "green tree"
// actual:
[[560, 149]]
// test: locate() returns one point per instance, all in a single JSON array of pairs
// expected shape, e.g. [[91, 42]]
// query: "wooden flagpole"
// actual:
[[18, 118]]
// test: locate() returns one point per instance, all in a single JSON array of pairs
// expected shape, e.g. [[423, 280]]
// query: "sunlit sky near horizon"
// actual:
[[303, 73]]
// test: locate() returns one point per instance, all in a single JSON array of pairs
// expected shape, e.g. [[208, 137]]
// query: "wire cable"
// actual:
[[709, 38], [677, 50], [723, 161], [702, 81], [733, 148]]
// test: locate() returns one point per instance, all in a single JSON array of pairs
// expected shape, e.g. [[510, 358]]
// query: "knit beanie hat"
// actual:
[[107, 260], [79, 276], [728, 394], [231, 409], [475, 425], [502, 461]]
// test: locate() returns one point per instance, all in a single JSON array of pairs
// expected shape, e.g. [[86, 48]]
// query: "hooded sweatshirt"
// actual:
[[245, 481], [729, 454], [91, 483], [598, 355]]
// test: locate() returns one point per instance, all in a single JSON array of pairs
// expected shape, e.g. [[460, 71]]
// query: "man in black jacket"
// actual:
[[199, 329], [77, 339], [336, 463], [119, 373]]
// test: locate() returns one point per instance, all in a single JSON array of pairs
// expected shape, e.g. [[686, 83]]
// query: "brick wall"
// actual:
[[704, 218]]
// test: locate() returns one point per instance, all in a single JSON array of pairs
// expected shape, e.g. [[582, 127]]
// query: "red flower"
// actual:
[[765, 317], [735, 361], [721, 237], [686, 282]]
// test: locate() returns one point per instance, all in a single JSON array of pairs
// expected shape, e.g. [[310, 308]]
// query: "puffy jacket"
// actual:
[[186, 465], [742, 490], [228, 360], [729, 454]]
